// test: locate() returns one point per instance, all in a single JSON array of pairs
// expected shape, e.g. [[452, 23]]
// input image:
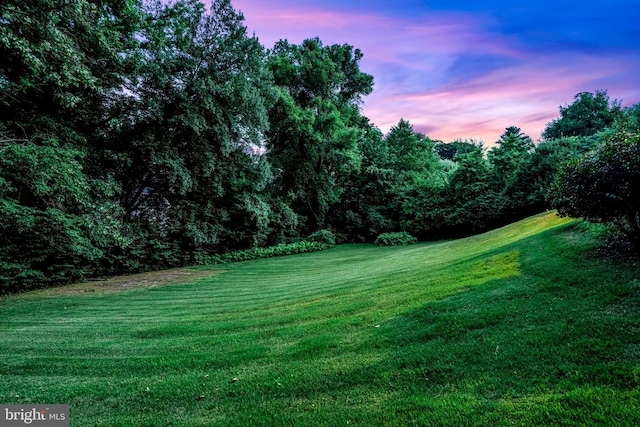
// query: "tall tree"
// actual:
[[473, 201], [449, 150], [369, 204], [312, 141], [510, 153], [418, 176], [60, 62], [186, 144], [588, 114], [412, 155], [630, 118], [54, 225]]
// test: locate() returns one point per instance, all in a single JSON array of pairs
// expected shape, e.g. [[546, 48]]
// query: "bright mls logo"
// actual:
[[34, 415]]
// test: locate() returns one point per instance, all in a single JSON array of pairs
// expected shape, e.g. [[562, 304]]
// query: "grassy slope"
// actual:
[[519, 326]]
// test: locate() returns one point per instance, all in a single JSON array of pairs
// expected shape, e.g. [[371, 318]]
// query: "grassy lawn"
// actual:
[[519, 326]]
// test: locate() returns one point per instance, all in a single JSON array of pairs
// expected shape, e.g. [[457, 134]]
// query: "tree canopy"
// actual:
[[314, 134], [590, 113]]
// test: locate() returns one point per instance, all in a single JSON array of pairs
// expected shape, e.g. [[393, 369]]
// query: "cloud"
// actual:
[[524, 94]]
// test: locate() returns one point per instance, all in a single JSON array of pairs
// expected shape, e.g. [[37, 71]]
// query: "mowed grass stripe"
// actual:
[[373, 276], [355, 335]]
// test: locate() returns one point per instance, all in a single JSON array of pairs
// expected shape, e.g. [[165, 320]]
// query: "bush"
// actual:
[[602, 185], [395, 239], [322, 236], [268, 252]]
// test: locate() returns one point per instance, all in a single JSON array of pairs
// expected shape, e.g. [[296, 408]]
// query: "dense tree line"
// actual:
[[138, 135]]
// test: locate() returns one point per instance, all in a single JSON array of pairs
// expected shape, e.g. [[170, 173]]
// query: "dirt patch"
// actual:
[[122, 283]]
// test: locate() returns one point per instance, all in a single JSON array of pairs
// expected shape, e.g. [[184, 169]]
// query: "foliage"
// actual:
[[322, 236], [398, 238], [533, 180], [369, 204], [471, 201], [61, 63], [413, 159], [54, 226], [186, 148], [400, 174], [603, 185], [589, 113], [165, 108], [630, 119], [449, 150], [312, 141], [281, 249], [511, 153]]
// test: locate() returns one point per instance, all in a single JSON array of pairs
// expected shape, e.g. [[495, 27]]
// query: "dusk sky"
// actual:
[[469, 69]]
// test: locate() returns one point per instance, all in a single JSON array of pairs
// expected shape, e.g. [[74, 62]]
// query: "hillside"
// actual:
[[523, 325]]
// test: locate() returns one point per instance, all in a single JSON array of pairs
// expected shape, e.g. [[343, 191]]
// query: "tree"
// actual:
[[588, 114], [314, 125], [604, 185], [413, 158], [473, 201], [186, 139], [449, 150], [418, 176], [368, 204], [630, 118], [55, 224], [61, 61], [511, 152], [534, 179], [508, 162]]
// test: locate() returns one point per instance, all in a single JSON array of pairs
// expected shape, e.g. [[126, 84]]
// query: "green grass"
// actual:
[[518, 326]]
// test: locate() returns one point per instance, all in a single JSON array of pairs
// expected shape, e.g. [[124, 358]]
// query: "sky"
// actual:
[[469, 69]]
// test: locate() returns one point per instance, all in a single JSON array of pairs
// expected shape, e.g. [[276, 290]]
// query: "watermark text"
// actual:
[[34, 415]]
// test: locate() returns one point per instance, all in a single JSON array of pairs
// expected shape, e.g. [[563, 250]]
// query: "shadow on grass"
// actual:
[[558, 342]]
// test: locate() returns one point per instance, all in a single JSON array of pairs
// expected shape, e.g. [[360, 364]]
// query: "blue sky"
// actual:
[[469, 69]]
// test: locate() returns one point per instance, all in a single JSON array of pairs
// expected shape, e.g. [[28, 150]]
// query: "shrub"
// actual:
[[322, 236], [602, 185], [268, 252], [395, 239]]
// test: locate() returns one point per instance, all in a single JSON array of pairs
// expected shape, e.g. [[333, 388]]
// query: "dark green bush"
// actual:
[[395, 239], [322, 236], [602, 185], [268, 252]]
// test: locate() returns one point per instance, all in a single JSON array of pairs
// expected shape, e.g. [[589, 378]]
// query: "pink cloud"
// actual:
[[526, 95]]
